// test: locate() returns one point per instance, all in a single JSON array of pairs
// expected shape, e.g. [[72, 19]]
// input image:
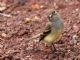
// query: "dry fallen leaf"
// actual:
[[27, 20], [35, 18], [44, 6], [35, 6], [3, 6], [4, 35]]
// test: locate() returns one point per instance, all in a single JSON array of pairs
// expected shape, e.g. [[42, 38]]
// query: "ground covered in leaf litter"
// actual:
[[29, 20]]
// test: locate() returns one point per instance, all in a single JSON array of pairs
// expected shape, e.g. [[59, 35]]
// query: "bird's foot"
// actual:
[[53, 48]]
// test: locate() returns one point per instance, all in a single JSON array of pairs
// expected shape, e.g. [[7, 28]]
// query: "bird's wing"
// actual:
[[45, 32]]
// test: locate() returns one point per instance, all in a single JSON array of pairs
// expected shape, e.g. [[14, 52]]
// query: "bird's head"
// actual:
[[53, 16]]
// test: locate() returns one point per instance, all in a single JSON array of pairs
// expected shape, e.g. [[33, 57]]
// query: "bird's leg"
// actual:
[[53, 48]]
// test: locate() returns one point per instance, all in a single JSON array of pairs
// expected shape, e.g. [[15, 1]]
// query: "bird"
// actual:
[[53, 30]]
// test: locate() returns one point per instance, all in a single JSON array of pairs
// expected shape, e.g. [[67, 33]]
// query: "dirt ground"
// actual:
[[30, 19]]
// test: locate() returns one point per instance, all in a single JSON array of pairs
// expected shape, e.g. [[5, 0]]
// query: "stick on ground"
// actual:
[[6, 15]]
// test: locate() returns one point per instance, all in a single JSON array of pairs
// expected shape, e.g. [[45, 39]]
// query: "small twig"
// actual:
[[6, 15], [36, 36]]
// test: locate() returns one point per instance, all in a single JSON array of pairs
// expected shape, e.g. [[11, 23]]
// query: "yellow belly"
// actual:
[[51, 38]]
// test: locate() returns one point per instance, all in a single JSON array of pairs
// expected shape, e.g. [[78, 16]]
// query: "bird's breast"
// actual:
[[52, 37]]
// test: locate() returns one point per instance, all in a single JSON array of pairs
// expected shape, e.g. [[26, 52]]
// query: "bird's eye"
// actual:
[[53, 12]]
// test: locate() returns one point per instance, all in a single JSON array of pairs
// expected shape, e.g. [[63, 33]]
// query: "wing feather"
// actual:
[[46, 32]]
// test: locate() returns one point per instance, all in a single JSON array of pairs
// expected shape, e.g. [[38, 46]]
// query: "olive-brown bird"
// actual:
[[53, 30]]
